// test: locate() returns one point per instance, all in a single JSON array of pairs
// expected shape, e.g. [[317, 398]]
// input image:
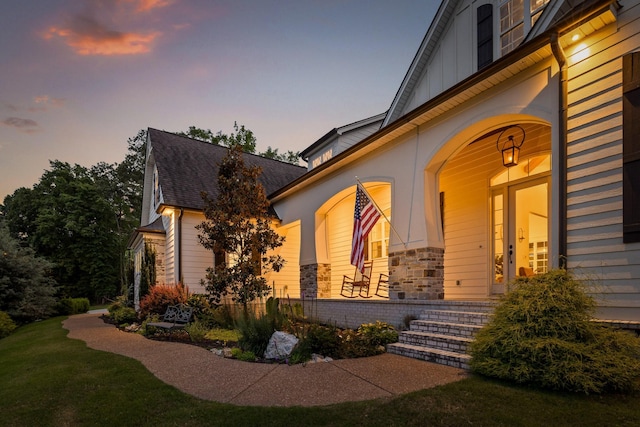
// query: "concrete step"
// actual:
[[445, 328], [451, 316], [452, 343], [443, 357]]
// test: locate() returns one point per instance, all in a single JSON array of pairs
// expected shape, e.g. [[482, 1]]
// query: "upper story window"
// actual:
[[485, 35], [516, 19], [156, 187]]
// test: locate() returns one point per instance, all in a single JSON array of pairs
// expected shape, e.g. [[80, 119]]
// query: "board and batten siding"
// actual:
[[339, 225], [595, 248], [465, 182], [170, 272], [195, 258], [286, 282]]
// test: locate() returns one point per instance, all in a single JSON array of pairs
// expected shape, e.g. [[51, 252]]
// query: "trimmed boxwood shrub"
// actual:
[[542, 334]]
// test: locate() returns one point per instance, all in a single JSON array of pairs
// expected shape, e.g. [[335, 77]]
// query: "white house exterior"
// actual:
[[465, 223], [560, 73]]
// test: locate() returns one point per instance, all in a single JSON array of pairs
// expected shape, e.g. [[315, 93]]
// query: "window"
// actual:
[[377, 242], [631, 147], [485, 35], [516, 19], [156, 187]]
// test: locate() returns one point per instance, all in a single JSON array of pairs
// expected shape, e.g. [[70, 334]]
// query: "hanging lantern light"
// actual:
[[509, 142]]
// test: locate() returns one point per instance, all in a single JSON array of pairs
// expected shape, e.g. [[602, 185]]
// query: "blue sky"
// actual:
[[80, 77]]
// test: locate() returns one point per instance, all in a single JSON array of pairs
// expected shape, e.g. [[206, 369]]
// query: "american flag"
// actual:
[[364, 218]]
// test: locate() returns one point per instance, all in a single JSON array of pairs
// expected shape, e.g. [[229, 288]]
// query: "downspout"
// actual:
[[558, 53], [179, 275]]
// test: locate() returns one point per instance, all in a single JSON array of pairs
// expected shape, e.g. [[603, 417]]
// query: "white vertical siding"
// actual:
[[595, 248], [287, 280], [170, 253], [465, 181], [340, 229], [195, 258]]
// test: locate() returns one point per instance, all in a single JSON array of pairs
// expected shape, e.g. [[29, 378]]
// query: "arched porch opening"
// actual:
[[495, 220], [334, 231]]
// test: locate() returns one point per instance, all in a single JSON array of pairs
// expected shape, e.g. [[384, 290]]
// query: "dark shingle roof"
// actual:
[[186, 167]]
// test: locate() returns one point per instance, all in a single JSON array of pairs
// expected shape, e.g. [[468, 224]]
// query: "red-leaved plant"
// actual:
[[162, 296]]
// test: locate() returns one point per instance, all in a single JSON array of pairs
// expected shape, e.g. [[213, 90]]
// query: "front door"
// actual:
[[520, 231]]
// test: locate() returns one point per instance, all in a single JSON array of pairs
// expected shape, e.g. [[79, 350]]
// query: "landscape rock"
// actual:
[[280, 345]]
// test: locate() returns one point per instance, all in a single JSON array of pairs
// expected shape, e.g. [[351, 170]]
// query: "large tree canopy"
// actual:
[[242, 137]]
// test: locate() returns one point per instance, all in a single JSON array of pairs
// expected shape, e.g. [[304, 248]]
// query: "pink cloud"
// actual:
[[86, 36], [147, 5]]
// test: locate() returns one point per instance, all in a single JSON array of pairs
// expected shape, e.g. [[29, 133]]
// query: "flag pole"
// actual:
[[359, 184]]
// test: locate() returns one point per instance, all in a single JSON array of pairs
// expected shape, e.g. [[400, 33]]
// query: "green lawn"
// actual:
[[48, 379]]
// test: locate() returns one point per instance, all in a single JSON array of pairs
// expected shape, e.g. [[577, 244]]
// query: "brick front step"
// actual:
[[445, 328], [451, 316], [452, 343], [443, 357]]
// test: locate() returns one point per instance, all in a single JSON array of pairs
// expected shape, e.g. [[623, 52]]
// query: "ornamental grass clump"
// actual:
[[542, 334]]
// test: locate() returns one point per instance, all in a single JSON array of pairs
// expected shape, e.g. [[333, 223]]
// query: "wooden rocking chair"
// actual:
[[359, 284], [383, 286]]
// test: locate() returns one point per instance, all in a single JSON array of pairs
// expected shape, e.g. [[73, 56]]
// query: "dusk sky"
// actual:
[[80, 77]]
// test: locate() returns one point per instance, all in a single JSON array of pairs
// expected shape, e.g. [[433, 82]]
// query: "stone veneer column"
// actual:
[[315, 280], [417, 274]]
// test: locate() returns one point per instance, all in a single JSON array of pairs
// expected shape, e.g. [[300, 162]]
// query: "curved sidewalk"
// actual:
[[201, 373]]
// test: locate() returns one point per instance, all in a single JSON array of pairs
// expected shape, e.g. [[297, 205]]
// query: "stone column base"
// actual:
[[315, 280], [417, 274]]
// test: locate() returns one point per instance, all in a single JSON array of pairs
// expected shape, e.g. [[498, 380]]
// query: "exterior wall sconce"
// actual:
[[509, 143]]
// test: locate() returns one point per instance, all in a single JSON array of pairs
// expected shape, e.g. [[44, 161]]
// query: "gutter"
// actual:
[[179, 275], [563, 91]]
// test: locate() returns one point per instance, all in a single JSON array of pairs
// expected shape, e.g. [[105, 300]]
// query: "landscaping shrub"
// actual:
[[7, 325], [255, 332], [202, 311], [542, 334], [378, 333], [124, 315], [162, 296], [256, 329], [197, 331], [69, 306]]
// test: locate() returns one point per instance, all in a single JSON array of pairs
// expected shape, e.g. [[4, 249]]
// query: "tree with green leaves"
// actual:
[[242, 137], [238, 224], [27, 290]]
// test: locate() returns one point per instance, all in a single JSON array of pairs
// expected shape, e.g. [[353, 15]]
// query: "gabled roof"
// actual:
[[335, 132], [186, 167], [552, 14], [421, 60]]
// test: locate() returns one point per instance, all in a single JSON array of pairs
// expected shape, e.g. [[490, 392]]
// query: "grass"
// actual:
[[47, 379]]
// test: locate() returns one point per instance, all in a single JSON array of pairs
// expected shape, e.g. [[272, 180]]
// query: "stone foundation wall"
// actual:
[[417, 274], [315, 280]]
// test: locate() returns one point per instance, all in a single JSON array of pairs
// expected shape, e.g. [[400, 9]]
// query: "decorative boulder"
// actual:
[[280, 345]]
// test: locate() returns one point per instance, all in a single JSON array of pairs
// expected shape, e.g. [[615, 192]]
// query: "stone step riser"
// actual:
[[476, 307], [469, 318], [457, 361], [458, 330], [438, 342]]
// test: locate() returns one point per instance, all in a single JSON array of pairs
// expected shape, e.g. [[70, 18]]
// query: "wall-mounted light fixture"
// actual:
[[509, 143]]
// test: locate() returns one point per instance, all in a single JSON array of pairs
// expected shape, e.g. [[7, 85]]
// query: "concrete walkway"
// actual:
[[201, 373]]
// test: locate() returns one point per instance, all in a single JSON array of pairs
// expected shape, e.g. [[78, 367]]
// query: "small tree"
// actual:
[[238, 224]]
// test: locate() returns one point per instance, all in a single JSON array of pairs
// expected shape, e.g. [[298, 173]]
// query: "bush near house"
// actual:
[[162, 296], [542, 334]]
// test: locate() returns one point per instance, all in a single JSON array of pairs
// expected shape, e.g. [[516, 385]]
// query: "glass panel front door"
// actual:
[[520, 231]]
